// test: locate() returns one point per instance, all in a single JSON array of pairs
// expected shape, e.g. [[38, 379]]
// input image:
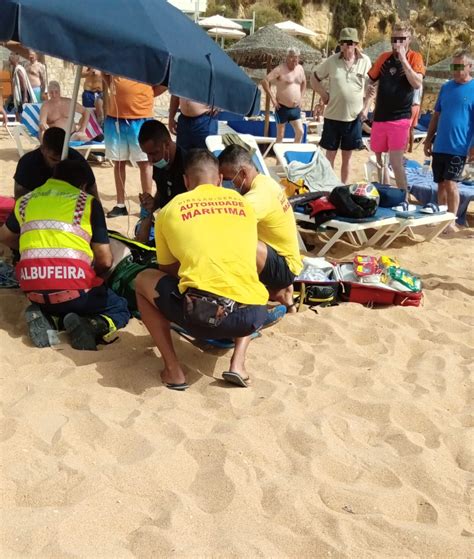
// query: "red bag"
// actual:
[[6, 207]]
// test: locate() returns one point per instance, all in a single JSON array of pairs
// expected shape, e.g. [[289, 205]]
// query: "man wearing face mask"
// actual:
[[397, 74], [168, 169], [278, 255]]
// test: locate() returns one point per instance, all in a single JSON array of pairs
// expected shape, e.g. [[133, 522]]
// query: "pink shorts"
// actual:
[[391, 135]]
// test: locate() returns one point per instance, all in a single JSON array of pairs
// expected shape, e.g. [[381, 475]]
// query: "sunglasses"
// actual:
[[348, 43], [397, 39], [454, 67]]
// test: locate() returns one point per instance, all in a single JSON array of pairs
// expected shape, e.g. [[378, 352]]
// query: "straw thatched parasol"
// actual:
[[269, 45], [441, 69], [266, 49]]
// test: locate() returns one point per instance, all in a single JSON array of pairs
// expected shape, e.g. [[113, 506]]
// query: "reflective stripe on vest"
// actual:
[[56, 252]]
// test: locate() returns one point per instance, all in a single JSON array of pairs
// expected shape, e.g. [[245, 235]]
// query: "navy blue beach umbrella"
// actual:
[[145, 40]]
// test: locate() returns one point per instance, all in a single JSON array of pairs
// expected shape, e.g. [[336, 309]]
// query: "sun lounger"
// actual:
[[425, 190], [29, 129], [355, 229], [215, 145], [286, 153], [407, 221]]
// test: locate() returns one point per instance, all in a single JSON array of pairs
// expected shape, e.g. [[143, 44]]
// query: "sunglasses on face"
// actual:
[[455, 67], [397, 39], [348, 43]]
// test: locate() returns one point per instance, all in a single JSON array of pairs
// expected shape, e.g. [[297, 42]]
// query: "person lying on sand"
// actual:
[[278, 255], [207, 283]]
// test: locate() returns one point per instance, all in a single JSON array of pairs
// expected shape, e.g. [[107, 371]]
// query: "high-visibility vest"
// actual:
[[55, 237]]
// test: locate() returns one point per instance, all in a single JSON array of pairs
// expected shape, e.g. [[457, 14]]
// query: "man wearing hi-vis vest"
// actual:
[[62, 237]]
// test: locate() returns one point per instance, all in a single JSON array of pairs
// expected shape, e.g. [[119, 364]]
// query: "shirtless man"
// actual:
[[55, 111], [290, 87], [92, 96], [36, 74], [195, 123]]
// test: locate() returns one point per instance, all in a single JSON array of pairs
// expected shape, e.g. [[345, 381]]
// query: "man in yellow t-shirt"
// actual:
[[207, 282], [278, 255]]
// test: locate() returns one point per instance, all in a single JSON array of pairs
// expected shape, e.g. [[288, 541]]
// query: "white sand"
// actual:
[[355, 439]]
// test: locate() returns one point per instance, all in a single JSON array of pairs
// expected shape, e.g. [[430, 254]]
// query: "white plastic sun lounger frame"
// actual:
[[439, 222]]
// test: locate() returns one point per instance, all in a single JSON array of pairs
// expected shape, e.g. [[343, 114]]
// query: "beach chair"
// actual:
[[407, 221], [215, 145], [354, 229], [29, 130]]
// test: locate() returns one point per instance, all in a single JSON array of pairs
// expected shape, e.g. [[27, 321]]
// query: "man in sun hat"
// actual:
[[397, 74], [347, 72]]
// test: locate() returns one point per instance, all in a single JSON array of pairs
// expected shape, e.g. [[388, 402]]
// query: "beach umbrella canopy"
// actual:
[[269, 45], [295, 29], [145, 40], [219, 21], [227, 33]]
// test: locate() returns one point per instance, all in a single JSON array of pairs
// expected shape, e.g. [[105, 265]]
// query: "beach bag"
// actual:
[[351, 205]]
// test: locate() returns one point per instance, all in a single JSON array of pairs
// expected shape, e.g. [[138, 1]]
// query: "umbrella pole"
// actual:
[[72, 112], [267, 101]]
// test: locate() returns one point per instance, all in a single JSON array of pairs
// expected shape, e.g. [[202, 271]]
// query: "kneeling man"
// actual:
[[207, 282], [278, 255], [62, 237]]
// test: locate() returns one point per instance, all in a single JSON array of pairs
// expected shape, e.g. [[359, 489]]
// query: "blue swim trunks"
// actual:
[[121, 139], [192, 132], [287, 114], [89, 98]]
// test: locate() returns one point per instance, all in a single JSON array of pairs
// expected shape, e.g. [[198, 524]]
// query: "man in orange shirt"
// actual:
[[129, 105], [398, 73]]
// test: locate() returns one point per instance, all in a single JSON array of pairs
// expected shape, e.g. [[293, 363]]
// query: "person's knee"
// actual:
[[146, 281], [262, 253]]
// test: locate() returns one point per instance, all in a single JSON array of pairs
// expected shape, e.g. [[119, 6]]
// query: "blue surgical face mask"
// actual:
[[227, 183], [161, 164]]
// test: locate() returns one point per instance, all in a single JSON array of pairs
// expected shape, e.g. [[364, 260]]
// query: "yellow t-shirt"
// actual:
[[130, 99], [212, 232], [276, 220]]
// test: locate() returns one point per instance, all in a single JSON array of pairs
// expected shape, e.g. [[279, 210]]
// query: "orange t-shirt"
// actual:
[[129, 99]]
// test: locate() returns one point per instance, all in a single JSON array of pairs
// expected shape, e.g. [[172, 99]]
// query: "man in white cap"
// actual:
[[347, 72]]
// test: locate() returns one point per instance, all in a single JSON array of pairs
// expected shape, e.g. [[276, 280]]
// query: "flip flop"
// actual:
[[180, 387], [433, 208], [234, 378]]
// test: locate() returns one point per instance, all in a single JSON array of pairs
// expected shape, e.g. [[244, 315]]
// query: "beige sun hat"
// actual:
[[349, 34]]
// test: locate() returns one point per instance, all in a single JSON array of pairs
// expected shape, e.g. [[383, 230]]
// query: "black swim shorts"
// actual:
[[243, 321], [276, 274]]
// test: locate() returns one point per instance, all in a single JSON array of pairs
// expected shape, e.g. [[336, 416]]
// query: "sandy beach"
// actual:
[[355, 439]]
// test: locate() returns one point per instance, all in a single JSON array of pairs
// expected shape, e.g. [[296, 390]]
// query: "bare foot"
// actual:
[[241, 372], [173, 377], [450, 229]]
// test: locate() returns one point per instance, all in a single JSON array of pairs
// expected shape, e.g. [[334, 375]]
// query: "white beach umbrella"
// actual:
[[220, 22], [295, 29], [227, 33]]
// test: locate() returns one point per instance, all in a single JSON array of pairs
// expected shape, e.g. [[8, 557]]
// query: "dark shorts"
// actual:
[[243, 321], [287, 114], [447, 167], [98, 301], [192, 131], [275, 273], [341, 135], [89, 97]]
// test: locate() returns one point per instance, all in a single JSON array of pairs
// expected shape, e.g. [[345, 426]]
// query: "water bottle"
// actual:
[[426, 166]]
